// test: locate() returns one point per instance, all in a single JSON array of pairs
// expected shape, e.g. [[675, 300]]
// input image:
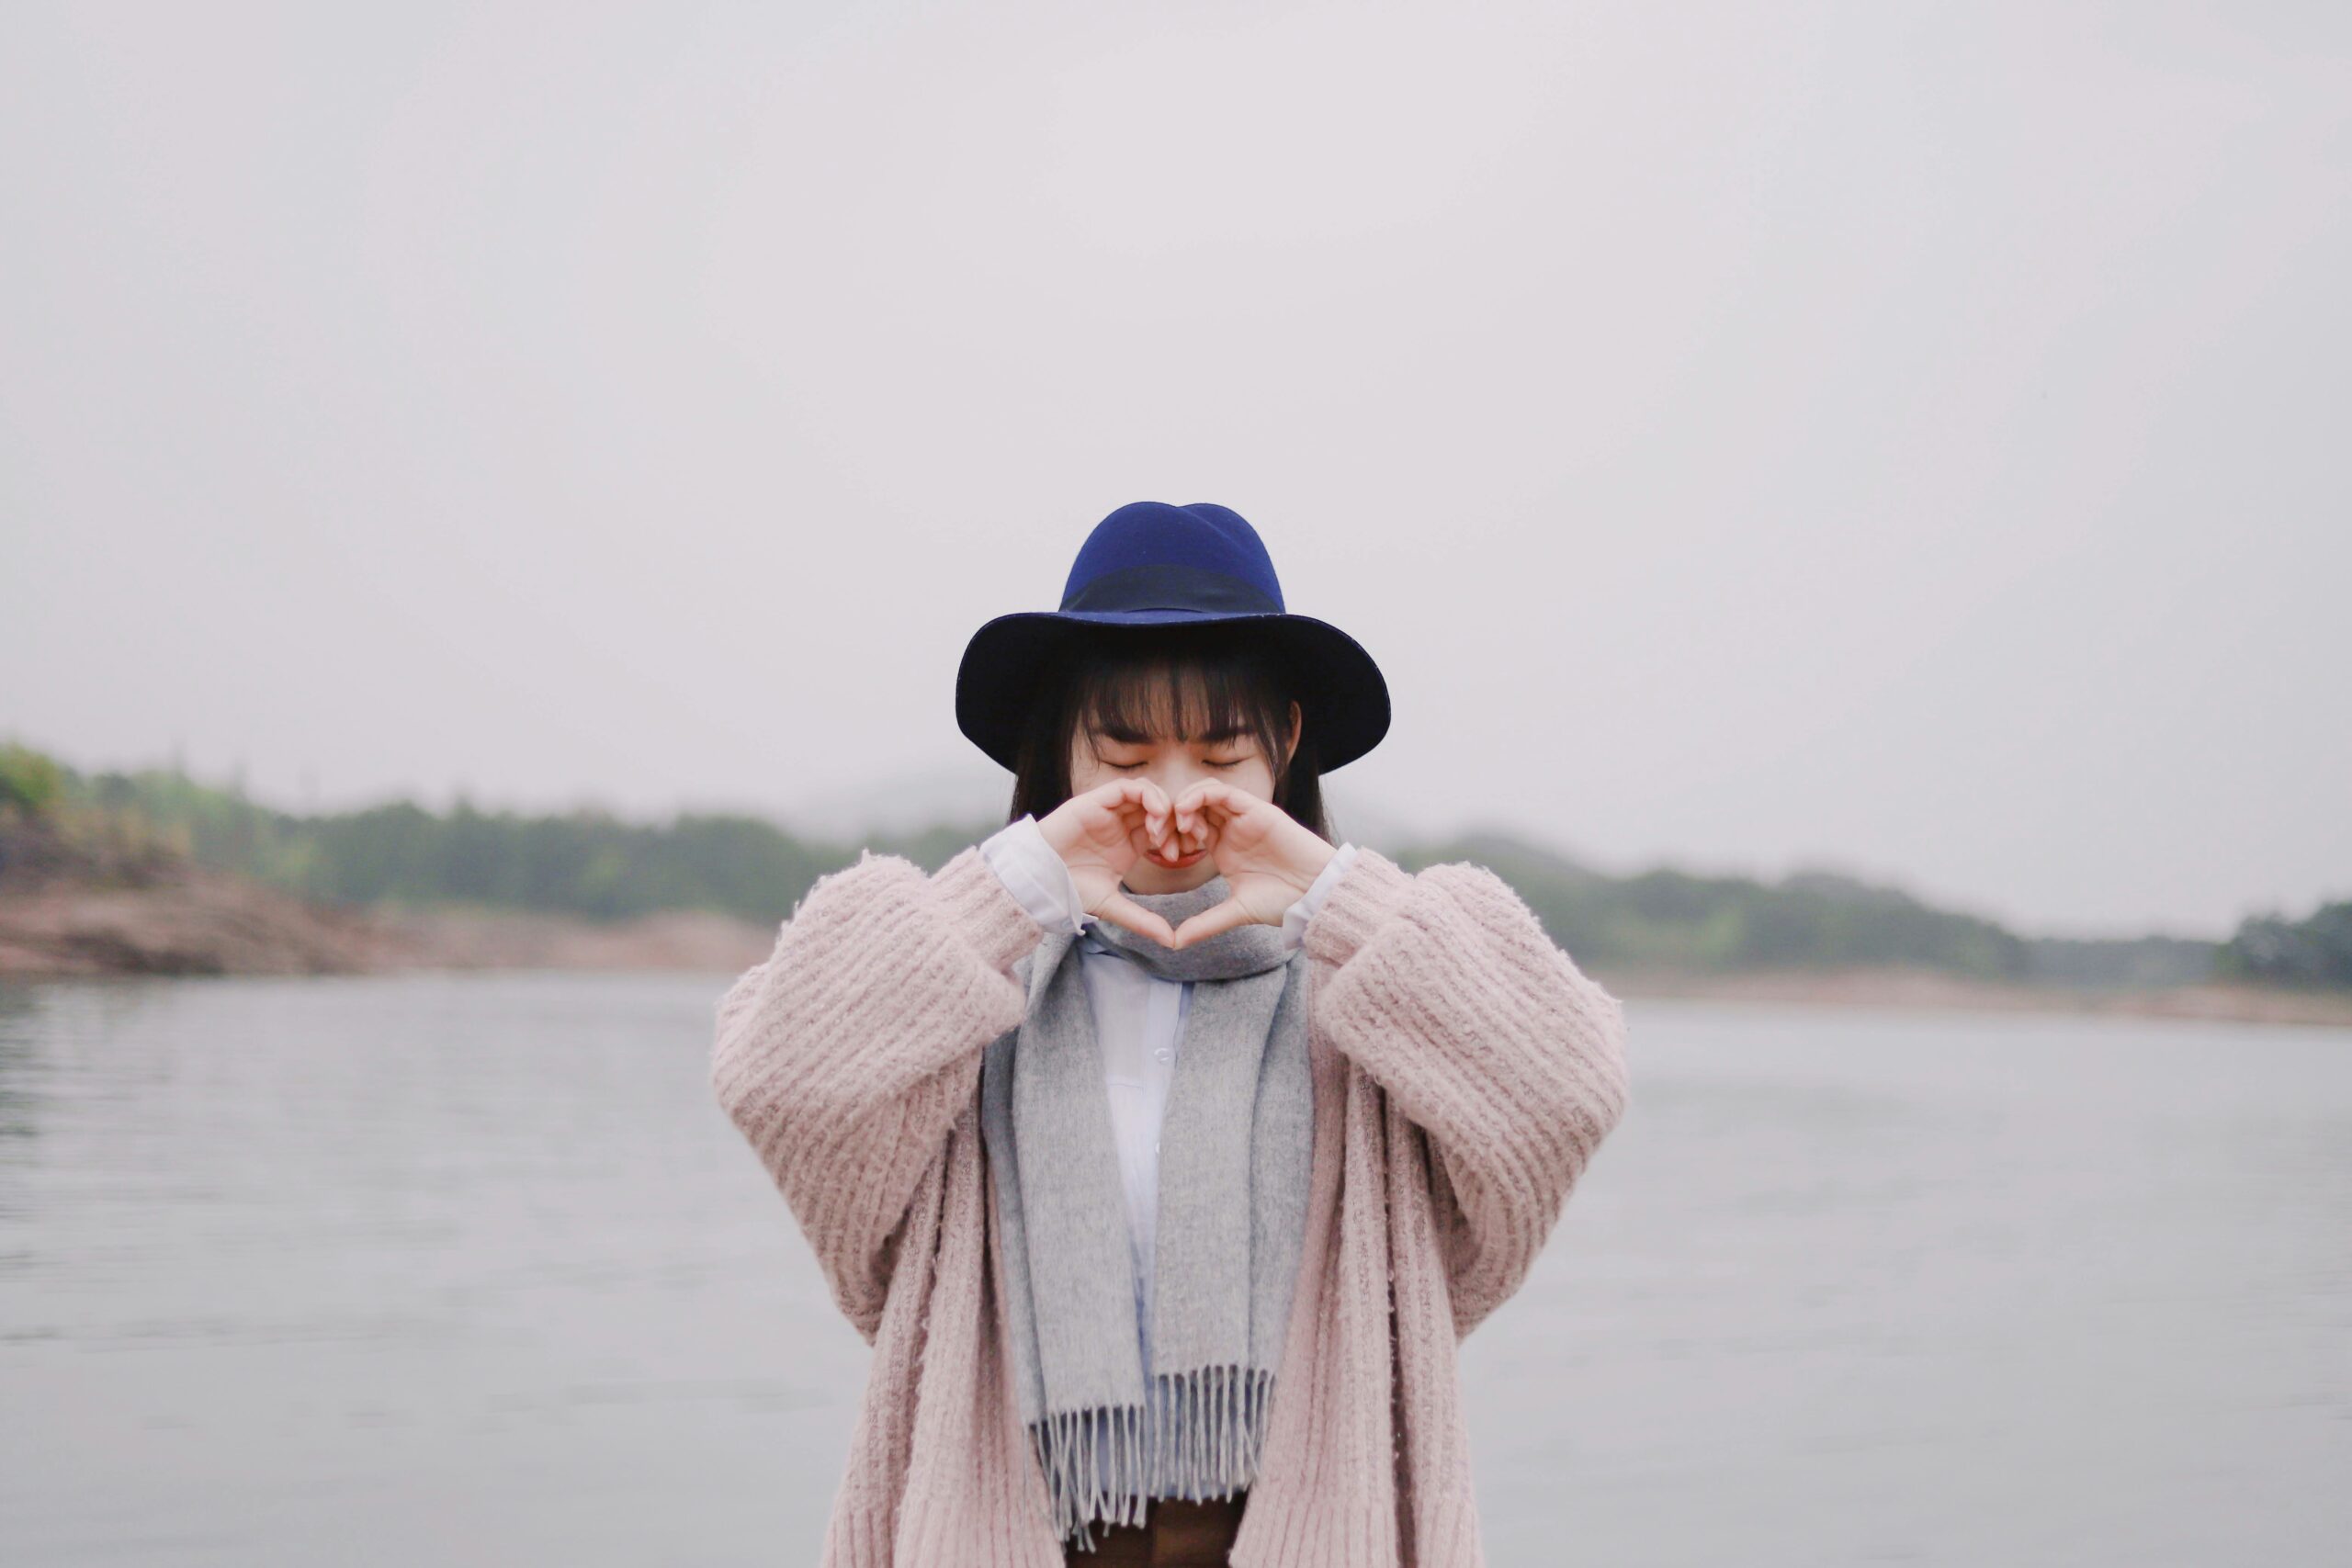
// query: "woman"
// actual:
[[1164, 1150]]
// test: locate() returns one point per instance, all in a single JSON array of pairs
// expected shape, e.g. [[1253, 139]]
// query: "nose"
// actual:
[[1177, 776]]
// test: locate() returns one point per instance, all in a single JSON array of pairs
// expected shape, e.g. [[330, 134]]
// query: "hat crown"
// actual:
[[1147, 566], [1153, 542]]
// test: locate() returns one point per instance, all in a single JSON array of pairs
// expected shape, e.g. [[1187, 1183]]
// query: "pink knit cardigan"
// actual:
[[1465, 1072]]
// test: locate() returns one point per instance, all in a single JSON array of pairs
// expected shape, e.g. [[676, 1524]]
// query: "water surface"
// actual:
[[471, 1270]]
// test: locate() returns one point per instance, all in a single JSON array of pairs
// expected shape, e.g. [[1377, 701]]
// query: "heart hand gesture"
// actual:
[[1268, 859], [1100, 835], [1266, 856]]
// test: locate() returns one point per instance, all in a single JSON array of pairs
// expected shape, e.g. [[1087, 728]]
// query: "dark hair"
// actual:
[[1112, 679]]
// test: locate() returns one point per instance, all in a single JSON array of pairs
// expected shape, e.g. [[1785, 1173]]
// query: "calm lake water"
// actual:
[[460, 1271]]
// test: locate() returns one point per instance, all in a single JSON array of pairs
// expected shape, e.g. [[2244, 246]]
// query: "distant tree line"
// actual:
[[1674, 919], [2312, 951], [585, 862], [590, 864]]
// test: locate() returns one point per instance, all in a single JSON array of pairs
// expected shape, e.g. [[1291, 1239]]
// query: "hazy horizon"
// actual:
[[1904, 443], [980, 790]]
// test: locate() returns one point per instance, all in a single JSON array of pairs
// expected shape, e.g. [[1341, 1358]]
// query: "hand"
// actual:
[[1100, 835], [1266, 856]]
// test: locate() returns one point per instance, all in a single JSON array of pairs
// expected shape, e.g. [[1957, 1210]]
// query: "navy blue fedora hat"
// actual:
[[1150, 564]]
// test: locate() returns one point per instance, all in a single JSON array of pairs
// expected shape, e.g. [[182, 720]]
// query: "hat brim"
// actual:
[[1343, 694]]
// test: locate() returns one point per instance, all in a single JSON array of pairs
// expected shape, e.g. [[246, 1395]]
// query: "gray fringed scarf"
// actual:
[[1237, 1149]]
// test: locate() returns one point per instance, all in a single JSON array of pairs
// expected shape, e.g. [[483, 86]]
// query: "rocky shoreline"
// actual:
[[188, 920]]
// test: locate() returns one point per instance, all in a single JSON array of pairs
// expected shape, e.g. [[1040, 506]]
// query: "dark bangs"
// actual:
[[1120, 682]]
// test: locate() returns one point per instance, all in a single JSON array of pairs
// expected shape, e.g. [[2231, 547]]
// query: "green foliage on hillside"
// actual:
[[31, 780], [1674, 919], [584, 863], [592, 865], [2316, 950], [51, 826]]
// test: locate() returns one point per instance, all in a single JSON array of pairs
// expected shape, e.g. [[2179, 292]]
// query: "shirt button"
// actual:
[[1162, 1051]]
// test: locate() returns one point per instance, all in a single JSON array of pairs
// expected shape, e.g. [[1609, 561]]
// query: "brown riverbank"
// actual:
[[167, 917], [181, 920], [197, 922]]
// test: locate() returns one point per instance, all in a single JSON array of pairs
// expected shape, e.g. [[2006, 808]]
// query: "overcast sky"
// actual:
[[1908, 441]]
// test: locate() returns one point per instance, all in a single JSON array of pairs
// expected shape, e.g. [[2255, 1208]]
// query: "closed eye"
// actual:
[[1214, 763]]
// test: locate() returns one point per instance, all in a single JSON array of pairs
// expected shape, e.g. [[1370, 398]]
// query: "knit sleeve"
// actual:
[[845, 1056], [1444, 987]]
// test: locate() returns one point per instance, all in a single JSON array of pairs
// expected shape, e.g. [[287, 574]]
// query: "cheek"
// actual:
[[1086, 770]]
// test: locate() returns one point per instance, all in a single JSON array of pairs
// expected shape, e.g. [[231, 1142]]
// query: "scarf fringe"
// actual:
[[1201, 1435]]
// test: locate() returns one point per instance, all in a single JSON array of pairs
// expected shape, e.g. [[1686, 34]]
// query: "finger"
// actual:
[[1217, 796], [1147, 796], [1210, 802], [1208, 922], [1192, 833], [1120, 909], [1139, 803], [1152, 824], [1144, 841], [1161, 820], [1167, 842], [1188, 799]]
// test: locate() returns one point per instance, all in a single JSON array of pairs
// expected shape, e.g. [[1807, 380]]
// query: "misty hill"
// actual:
[[593, 865], [1672, 919]]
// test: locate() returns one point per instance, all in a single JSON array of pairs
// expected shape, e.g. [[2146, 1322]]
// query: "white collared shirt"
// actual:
[[1138, 1018]]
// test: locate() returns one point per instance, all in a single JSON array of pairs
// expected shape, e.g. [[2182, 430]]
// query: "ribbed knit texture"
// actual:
[[1464, 1070]]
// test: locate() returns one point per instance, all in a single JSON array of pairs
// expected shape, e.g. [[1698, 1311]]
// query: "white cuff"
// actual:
[[1038, 878], [1295, 919]]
